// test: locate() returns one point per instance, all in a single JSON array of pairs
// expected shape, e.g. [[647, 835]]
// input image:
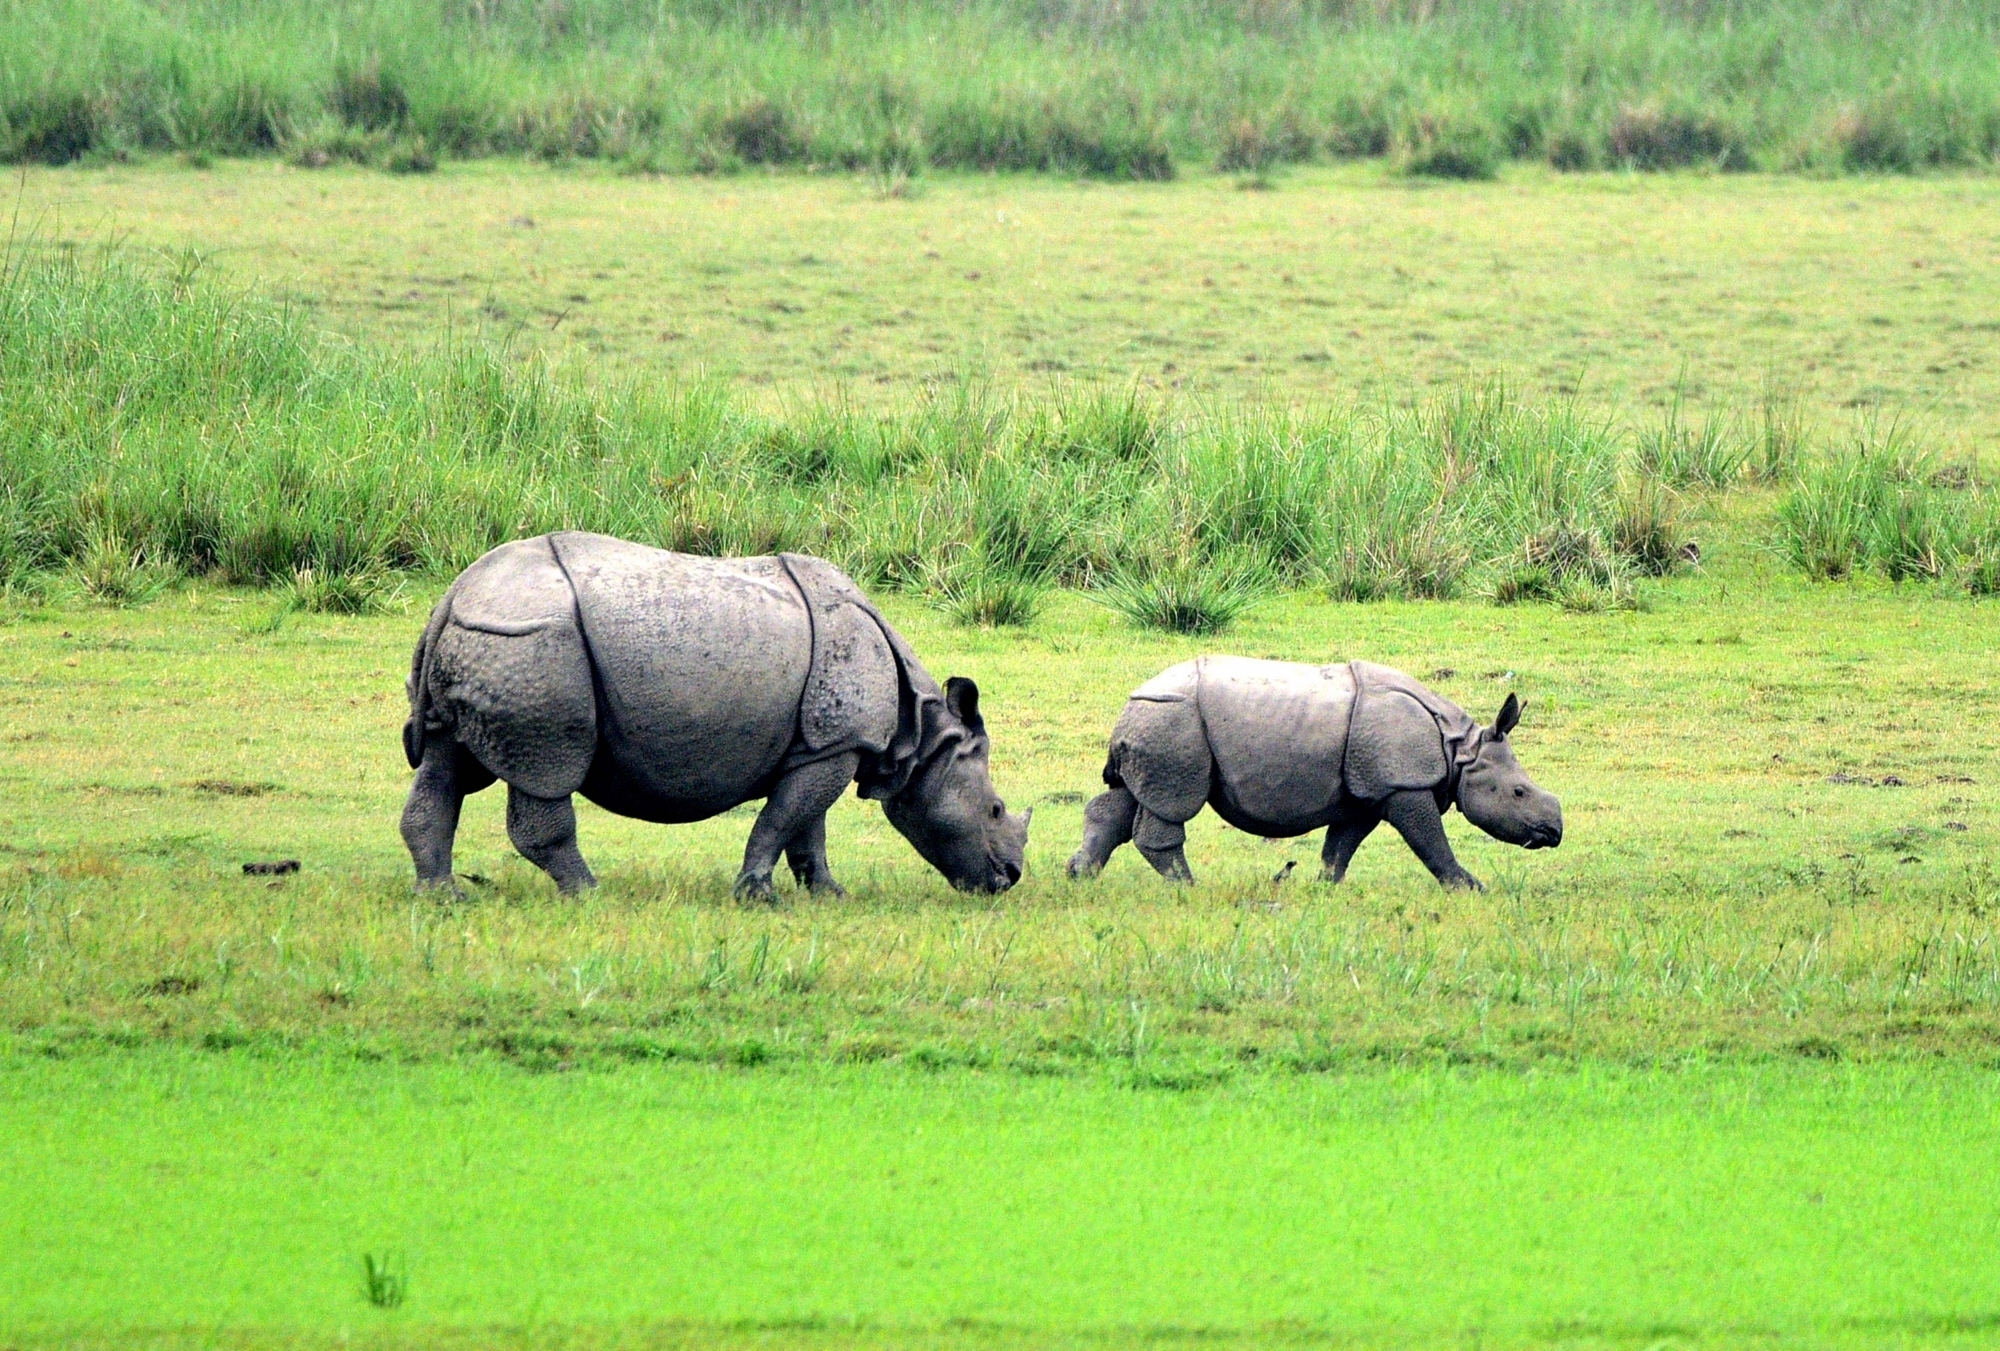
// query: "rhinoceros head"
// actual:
[[1497, 795], [949, 810]]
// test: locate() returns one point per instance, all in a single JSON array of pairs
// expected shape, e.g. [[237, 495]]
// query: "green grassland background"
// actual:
[[1699, 464], [1856, 292], [1116, 90]]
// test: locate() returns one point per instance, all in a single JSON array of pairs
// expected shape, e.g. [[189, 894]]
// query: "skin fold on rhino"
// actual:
[[1279, 749], [670, 687]]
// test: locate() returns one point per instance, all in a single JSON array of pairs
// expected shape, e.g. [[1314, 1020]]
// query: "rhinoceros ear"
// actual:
[[1510, 714], [961, 696]]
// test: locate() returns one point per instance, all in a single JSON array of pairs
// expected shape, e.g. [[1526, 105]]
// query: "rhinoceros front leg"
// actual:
[[807, 856], [544, 830], [1107, 823], [1414, 814], [1342, 839], [796, 806], [1159, 842]]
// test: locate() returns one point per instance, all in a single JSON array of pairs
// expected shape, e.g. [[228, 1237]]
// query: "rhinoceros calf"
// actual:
[[670, 688], [1279, 749]]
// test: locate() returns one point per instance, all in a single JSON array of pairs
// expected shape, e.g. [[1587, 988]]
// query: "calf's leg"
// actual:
[[800, 799], [430, 815], [1414, 814], [1342, 839], [1107, 823], [1159, 842], [544, 830]]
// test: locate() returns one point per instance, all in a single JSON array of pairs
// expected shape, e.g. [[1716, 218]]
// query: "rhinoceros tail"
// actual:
[[1112, 778], [419, 685]]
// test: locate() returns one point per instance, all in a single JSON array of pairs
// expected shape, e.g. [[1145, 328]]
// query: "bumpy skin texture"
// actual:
[[671, 688], [1280, 749]]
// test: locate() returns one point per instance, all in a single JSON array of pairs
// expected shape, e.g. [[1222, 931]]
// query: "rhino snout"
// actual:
[[1544, 837], [1000, 875]]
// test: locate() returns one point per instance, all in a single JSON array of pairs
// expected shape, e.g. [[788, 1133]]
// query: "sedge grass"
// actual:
[[167, 422], [1077, 88]]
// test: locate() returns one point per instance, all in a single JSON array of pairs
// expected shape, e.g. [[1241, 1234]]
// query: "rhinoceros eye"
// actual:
[[1519, 791], [998, 810]]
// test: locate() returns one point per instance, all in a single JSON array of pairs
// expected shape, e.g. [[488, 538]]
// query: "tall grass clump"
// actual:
[[1124, 91], [158, 424], [1710, 453], [1883, 505]]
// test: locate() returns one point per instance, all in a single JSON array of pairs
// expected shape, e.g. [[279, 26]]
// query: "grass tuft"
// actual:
[[1187, 595], [1881, 505], [1651, 137], [1445, 147], [385, 1279], [366, 590], [1686, 454], [111, 571], [978, 594]]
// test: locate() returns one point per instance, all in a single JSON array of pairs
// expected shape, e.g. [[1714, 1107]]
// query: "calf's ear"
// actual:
[[1510, 714], [961, 696]]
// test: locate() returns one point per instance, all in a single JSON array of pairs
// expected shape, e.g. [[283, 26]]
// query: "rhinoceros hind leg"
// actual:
[[544, 830], [1107, 823], [1342, 839], [430, 815], [1159, 842], [1414, 814], [807, 856], [797, 805]]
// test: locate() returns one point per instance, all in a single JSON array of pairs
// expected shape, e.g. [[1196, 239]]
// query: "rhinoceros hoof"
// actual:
[[1080, 866], [757, 888], [1465, 882]]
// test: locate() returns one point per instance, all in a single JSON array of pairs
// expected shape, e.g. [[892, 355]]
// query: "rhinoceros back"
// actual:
[[1278, 732], [699, 666]]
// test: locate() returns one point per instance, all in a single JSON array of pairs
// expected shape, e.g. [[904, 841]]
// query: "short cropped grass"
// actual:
[[1780, 840], [169, 1200], [1825, 297], [1134, 92]]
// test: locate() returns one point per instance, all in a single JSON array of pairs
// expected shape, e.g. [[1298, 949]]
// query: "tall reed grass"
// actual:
[[159, 421], [1113, 88], [1883, 505]]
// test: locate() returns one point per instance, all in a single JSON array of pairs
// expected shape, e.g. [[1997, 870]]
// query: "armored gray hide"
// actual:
[[670, 687], [1279, 749]]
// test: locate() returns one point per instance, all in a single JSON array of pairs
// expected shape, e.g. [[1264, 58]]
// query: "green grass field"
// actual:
[[1857, 293], [1741, 875], [149, 1199], [1717, 1072]]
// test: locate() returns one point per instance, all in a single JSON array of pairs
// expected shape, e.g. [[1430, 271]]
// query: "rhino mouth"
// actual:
[[1000, 875], [1543, 837]]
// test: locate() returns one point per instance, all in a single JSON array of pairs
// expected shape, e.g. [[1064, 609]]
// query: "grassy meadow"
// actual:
[[174, 1200], [1716, 1072], [1854, 293]]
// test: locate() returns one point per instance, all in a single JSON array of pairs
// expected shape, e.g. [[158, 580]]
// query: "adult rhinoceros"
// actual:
[[1279, 749], [670, 687]]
